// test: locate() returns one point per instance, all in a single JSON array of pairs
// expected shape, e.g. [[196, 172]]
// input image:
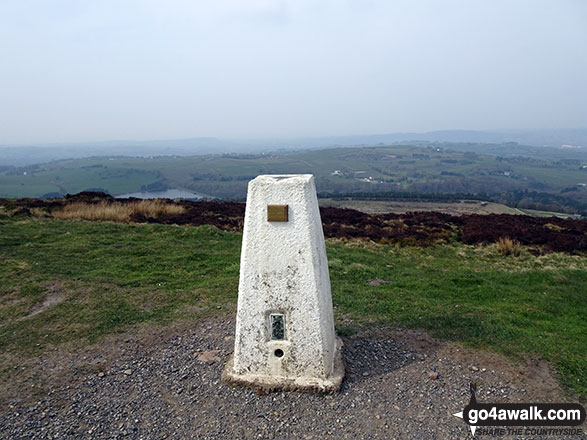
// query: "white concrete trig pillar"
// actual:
[[285, 335]]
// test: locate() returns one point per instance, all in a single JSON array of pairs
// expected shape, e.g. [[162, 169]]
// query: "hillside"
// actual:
[[386, 171], [69, 283]]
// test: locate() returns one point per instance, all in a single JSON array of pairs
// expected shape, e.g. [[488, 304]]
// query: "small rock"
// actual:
[[127, 372], [209, 356], [473, 368], [101, 374], [433, 375], [365, 374]]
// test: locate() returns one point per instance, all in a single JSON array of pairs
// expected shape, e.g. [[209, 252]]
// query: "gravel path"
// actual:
[[400, 385]]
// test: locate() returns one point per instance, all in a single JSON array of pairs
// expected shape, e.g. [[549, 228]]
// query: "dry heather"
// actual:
[[115, 211], [507, 246], [538, 235]]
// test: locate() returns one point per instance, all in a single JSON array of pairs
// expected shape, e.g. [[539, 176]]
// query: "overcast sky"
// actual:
[[73, 70]]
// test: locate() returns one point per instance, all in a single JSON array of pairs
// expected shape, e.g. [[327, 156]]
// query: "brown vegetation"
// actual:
[[409, 229], [507, 246], [116, 211]]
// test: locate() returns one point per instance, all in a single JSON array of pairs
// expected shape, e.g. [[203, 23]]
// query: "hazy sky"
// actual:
[[74, 70]]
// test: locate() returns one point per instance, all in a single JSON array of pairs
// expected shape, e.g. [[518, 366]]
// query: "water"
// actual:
[[168, 194]]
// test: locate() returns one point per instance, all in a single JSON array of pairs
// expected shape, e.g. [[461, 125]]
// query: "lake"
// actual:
[[168, 194]]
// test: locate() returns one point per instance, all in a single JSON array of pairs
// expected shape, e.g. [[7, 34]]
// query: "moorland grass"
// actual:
[[507, 246], [113, 276], [115, 211]]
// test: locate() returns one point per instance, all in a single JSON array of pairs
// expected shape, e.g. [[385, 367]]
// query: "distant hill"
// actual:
[[12, 155], [566, 142], [435, 171]]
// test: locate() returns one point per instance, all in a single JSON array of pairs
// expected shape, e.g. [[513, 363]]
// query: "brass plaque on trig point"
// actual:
[[277, 213]]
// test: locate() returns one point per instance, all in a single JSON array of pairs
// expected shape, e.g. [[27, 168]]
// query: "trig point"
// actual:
[[284, 326]]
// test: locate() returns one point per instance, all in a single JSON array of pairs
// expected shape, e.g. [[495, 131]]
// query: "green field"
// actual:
[[337, 171], [75, 176], [105, 278]]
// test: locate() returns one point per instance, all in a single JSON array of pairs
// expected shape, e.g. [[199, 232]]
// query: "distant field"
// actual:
[[67, 284], [75, 176], [399, 207], [535, 183], [537, 213]]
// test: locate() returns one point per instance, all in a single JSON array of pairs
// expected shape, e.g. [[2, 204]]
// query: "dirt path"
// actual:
[[152, 386]]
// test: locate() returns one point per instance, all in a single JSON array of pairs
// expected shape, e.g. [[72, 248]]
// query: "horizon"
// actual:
[[511, 131]]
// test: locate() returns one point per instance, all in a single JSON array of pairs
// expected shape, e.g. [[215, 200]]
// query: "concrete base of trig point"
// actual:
[[285, 337], [329, 384]]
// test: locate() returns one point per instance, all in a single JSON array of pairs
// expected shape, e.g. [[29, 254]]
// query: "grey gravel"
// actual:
[[141, 388]]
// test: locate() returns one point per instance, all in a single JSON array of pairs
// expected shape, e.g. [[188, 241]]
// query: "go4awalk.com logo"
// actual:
[[525, 419]]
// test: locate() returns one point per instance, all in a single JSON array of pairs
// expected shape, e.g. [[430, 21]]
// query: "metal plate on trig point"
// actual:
[[277, 213]]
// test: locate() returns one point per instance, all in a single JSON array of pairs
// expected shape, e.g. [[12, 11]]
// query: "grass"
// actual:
[[116, 212], [113, 276], [507, 246]]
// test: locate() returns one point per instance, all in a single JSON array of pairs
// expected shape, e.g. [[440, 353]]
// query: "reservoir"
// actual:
[[168, 194]]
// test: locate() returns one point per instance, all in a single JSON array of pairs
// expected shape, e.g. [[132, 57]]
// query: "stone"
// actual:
[[209, 356], [100, 374], [285, 336], [127, 372], [433, 375]]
